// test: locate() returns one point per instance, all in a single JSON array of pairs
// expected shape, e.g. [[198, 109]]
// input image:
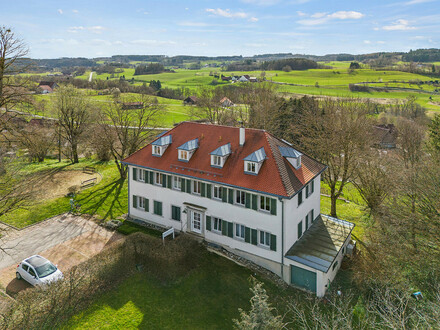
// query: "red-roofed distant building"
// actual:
[[47, 86], [242, 189]]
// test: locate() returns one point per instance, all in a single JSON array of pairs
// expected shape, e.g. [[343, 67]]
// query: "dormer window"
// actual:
[[219, 155], [293, 156], [160, 145], [253, 162], [186, 150]]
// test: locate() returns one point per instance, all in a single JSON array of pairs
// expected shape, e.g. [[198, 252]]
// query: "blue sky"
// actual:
[[96, 28]]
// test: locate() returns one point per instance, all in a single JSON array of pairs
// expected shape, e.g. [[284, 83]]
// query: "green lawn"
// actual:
[[108, 199], [207, 297]]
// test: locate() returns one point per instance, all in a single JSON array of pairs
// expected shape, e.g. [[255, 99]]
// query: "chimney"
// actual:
[[242, 135]]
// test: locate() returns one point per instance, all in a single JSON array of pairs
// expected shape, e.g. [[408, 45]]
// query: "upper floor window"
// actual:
[[219, 155], [310, 188], [183, 155], [240, 197], [160, 145], [217, 224], [216, 161], [158, 178], [141, 175], [177, 183], [251, 167], [197, 187], [218, 192], [253, 162], [300, 198], [157, 150], [265, 203]]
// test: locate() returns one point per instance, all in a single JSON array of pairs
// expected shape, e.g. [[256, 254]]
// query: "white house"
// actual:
[[244, 190]]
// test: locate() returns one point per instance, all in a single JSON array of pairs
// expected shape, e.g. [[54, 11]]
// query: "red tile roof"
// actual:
[[276, 176]]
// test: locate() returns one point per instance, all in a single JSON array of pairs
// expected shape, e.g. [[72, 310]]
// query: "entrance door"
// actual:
[[196, 222]]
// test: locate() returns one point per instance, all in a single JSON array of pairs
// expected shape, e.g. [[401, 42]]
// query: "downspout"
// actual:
[[128, 177], [282, 238]]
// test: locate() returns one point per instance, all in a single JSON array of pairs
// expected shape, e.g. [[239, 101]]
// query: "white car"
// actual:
[[37, 270]]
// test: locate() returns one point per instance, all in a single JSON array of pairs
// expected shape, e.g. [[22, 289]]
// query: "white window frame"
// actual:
[[219, 225], [184, 155], [140, 175], [251, 167], [177, 183], [266, 201], [140, 203], [197, 184], [158, 178], [264, 239], [217, 161], [219, 190], [157, 150], [241, 231], [240, 197]]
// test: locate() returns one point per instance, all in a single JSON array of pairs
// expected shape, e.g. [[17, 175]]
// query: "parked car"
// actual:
[[37, 270]]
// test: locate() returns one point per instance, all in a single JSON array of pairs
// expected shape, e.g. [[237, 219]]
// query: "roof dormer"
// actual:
[[293, 156], [219, 155], [186, 150], [159, 146], [253, 162]]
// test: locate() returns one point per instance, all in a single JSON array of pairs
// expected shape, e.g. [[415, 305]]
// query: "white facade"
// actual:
[[195, 210]]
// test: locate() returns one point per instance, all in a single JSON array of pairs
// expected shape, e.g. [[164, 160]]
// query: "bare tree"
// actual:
[[129, 129], [74, 112], [209, 107], [337, 134]]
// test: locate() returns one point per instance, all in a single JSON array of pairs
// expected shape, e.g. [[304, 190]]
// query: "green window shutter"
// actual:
[[146, 204], [183, 186], [312, 216], [151, 177], [208, 222], [273, 242], [208, 190], [224, 228], [307, 191], [300, 229], [247, 234], [169, 181], [313, 187], [248, 201], [254, 236], [254, 202], [203, 192], [188, 186], [273, 206], [135, 200], [146, 176], [230, 229], [231, 196], [134, 173], [224, 195], [160, 208], [164, 180]]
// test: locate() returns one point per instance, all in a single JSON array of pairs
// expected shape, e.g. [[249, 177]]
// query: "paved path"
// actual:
[[18, 245], [91, 76]]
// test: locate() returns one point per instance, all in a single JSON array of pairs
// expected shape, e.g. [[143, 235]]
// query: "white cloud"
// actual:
[[346, 15], [227, 13], [75, 11], [300, 13], [60, 11], [322, 18], [380, 42], [399, 25], [152, 42], [253, 19], [367, 42], [416, 2], [94, 29], [190, 23]]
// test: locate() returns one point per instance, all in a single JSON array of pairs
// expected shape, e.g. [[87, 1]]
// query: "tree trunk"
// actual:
[[122, 169], [333, 200], [75, 153]]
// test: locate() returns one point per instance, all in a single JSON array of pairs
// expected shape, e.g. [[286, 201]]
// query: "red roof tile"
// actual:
[[276, 176]]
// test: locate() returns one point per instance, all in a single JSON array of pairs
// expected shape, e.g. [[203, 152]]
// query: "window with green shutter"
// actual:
[[273, 242], [208, 190], [203, 192], [224, 228], [164, 180], [146, 176], [254, 236], [224, 194], [151, 177], [231, 196], [169, 181], [183, 186], [175, 212], [208, 222], [188, 186], [273, 206], [254, 202], [134, 201], [157, 207], [248, 201], [134, 174], [247, 235], [300, 229], [146, 205], [230, 229]]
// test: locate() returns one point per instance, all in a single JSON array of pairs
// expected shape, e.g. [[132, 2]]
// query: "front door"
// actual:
[[196, 222]]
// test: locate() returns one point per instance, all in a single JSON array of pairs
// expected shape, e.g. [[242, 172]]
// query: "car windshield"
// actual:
[[45, 270]]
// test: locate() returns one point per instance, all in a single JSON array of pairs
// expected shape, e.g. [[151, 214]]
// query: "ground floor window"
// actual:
[[175, 213], [264, 238], [217, 224], [157, 207], [239, 231]]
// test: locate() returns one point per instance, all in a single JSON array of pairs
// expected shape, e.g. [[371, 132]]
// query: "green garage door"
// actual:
[[303, 278]]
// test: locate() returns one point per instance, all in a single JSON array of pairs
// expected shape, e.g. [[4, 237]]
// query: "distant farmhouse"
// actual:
[[225, 102], [190, 100], [385, 136], [47, 87], [243, 190]]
